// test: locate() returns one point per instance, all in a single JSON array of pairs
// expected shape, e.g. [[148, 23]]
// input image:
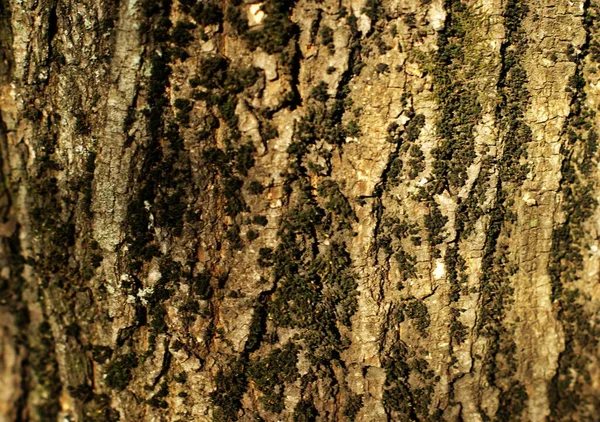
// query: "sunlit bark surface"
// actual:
[[305, 210]]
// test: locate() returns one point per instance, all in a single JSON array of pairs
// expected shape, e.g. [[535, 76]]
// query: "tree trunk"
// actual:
[[332, 210]]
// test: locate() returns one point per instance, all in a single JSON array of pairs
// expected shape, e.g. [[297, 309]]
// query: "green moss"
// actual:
[[226, 106], [417, 311], [400, 399], [313, 285], [406, 263], [299, 301], [207, 13], [230, 385], [47, 411], [158, 324], [119, 371], [353, 129], [569, 394], [416, 162], [275, 32], [181, 34], [268, 131], [235, 203], [327, 39], [44, 367], [458, 100], [336, 201], [215, 157], [458, 331], [164, 166], [513, 401], [255, 187], [319, 92], [382, 68], [212, 71], [251, 235], [435, 222], [184, 106], [319, 123], [237, 20], [382, 47], [265, 257], [358, 67], [181, 378], [261, 220], [394, 170], [242, 78], [410, 20], [353, 406], [305, 411], [244, 158], [455, 266], [271, 373], [374, 10], [233, 236]]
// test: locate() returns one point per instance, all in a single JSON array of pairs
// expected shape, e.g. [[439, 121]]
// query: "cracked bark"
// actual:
[[369, 210]]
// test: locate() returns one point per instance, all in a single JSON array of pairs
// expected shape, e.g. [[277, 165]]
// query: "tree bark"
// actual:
[[366, 210]]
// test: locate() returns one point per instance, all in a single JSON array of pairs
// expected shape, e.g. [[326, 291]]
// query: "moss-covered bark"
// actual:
[[298, 210]]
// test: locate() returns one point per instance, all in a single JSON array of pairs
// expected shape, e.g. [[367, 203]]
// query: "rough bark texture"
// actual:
[[311, 210]]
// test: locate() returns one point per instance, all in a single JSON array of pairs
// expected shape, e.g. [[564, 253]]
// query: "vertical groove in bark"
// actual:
[[573, 260], [499, 364]]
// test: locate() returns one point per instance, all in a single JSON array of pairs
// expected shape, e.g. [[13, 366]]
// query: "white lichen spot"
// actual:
[[403, 119], [125, 277], [276, 204], [437, 15], [423, 181], [529, 200], [154, 275], [142, 294], [255, 14], [439, 271], [364, 24], [131, 299], [547, 62]]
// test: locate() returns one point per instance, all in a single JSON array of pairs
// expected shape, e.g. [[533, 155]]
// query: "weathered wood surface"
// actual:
[[314, 210]]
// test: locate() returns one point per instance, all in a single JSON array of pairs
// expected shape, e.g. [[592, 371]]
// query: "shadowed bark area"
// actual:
[[364, 210]]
